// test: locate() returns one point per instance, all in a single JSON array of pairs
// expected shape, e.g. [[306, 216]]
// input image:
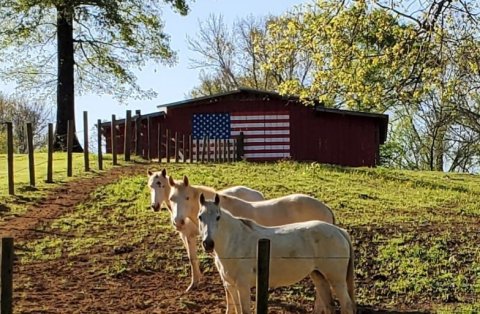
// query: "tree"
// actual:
[[98, 43], [420, 64], [19, 111], [232, 57]]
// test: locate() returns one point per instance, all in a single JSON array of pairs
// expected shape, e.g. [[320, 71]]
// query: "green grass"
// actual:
[[26, 194], [416, 234]]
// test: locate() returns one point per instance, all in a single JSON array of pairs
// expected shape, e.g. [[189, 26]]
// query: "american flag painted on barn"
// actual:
[[267, 134]]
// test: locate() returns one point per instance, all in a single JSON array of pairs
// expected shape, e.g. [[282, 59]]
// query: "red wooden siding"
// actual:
[[323, 135]]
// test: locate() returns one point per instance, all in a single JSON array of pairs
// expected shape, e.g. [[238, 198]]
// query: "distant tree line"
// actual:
[[19, 111]]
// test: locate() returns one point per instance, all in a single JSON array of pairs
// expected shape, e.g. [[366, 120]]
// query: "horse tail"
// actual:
[[350, 273], [334, 222]]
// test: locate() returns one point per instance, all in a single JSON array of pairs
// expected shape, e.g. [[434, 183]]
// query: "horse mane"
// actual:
[[203, 189], [250, 224]]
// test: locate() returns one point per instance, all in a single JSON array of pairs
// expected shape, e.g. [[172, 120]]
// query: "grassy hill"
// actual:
[[416, 234]]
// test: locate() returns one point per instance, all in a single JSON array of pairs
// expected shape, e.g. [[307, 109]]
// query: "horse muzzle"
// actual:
[[155, 207], [208, 245]]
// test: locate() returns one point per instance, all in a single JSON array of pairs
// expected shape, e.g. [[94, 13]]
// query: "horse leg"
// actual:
[[346, 304], [323, 299], [244, 298], [191, 246], [233, 303]]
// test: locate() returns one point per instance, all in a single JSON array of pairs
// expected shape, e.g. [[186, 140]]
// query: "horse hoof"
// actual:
[[193, 286]]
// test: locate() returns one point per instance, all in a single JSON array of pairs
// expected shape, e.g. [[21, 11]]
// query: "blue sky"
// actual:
[[172, 83]]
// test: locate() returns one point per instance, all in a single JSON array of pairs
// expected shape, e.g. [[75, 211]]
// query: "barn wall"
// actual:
[[325, 137], [334, 138]]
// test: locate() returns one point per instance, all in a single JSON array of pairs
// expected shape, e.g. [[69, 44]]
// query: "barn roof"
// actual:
[[382, 118], [145, 116]]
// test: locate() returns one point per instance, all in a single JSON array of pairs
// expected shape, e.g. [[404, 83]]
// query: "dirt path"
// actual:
[[62, 200]]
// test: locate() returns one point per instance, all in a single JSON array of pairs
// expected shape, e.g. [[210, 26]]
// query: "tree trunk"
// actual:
[[65, 79]]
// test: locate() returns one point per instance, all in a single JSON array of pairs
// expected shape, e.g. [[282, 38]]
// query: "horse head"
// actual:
[[184, 201], [208, 218], [159, 189]]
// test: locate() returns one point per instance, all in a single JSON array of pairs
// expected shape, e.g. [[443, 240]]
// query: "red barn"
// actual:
[[275, 127]]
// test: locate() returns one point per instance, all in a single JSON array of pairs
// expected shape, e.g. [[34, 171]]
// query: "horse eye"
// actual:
[[218, 218], [200, 218], [187, 198], [159, 184]]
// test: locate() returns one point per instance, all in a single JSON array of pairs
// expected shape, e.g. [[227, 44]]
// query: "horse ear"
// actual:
[[217, 199], [202, 199], [149, 172], [164, 173], [185, 180], [171, 181]]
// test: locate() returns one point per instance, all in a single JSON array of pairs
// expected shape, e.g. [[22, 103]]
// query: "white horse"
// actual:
[[313, 248], [184, 202], [160, 191]]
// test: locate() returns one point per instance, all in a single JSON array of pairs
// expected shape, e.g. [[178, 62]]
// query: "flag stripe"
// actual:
[[267, 155], [262, 132], [252, 140], [260, 125]]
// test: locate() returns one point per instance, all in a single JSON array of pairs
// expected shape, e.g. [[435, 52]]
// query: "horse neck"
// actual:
[[228, 227], [237, 206]]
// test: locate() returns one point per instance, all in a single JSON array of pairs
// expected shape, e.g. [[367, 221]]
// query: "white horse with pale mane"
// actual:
[[297, 250], [184, 201], [158, 183]]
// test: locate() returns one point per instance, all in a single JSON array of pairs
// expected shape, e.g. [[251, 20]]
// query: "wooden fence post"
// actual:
[[149, 138], [86, 161], [6, 276], [228, 150], [240, 143], [234, 157], [159, 142], [128, 135], [113, 140], [197, 149], [167, 144], [224, 150], [204, 148], [190, 146], [69, 147], [176, 147], [31, 161], [263, 267], [99, 148], [184, 145], [208, 148], [11, 189], [50, 154], [138, 125]]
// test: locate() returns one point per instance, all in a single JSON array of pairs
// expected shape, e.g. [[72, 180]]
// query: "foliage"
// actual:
[[110, 39], [420, 67], [415, 238], [19, 112]]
